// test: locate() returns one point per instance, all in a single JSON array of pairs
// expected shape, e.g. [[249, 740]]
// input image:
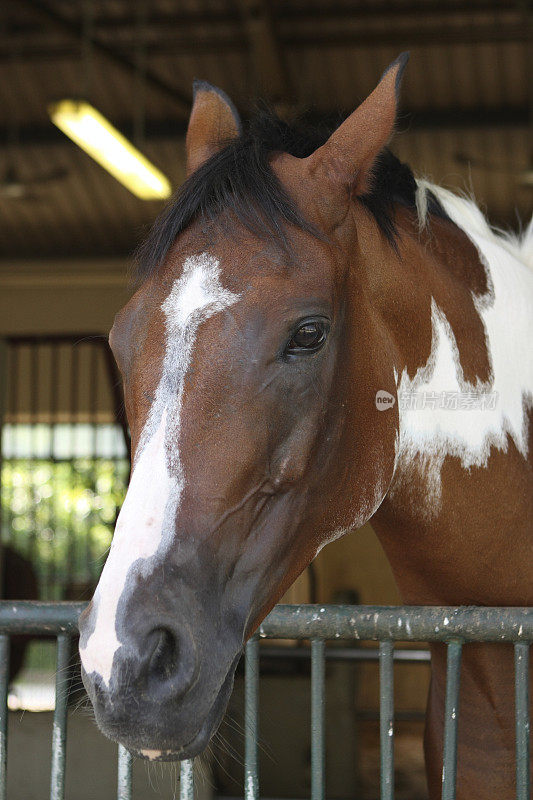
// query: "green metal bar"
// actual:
[[38, 618], [386, 718], [318, 721], [251, 720], [187, 780], [124, 782], [59, 734], [400, 623], [371, 623], [451, 718], [344, 654], [455, 625], [521, 661], [4, 681]]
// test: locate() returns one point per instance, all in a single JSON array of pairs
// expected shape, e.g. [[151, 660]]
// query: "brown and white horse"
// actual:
[[318, 340]]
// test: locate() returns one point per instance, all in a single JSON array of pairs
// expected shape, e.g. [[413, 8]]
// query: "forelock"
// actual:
[[239, 179]]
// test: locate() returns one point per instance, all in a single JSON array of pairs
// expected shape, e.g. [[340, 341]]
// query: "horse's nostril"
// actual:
[[164, 659], [167, 665]]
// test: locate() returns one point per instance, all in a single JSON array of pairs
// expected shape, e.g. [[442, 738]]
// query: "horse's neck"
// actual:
[[463, 482]]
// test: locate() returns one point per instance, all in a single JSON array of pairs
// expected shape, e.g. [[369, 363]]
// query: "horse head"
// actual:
[[251, 358]]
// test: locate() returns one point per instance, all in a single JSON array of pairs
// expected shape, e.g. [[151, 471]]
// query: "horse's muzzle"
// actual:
[[162, 701]]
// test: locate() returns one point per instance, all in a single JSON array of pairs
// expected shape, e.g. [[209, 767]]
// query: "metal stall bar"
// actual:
[[124, 782], [74, 416], [44, 405], [400, 623], [51, 577], [251, 720], [10, 379], [386, 718], [521, 660], [34, 395], [187, 780], [384, 624], [318, 721], [38, 618], [361, 623], [60, 619], [451, 718], [4, 681], [59, 735], [89, 573], [346, 654]]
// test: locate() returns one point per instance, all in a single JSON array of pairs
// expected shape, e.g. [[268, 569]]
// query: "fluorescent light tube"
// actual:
[[91, 131]]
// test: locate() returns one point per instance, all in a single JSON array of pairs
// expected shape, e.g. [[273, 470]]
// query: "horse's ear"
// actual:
[[348, 156], [214, 121]]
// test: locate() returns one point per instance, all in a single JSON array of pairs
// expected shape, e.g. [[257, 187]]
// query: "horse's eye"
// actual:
[[308, 338]]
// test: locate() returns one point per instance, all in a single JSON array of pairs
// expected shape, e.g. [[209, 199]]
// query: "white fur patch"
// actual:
[[153, 755], [146, 520], [431, 433]]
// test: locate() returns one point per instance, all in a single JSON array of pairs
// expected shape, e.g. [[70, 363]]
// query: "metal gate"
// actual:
[[317, 624], [64, 457]]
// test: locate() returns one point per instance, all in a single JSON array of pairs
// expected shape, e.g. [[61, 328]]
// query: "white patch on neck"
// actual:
[[430, 434], [147, 517]]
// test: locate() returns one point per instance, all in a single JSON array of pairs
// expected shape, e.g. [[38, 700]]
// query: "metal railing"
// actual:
[[386, 625]]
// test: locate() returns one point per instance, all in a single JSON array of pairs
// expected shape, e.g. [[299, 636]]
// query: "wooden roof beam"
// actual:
[[423, 119], [270, 75], [58, 22]]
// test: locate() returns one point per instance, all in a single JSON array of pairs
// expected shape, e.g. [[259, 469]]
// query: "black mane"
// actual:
[[239, 178]]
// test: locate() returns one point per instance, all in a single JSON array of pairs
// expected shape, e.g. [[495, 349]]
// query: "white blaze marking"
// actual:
[[430, 434], [146, 520]]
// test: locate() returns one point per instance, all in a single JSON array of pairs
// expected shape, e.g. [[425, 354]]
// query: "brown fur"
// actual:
[[322, 469]]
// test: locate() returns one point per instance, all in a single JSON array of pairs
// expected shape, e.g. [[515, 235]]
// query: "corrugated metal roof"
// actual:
[[466, 84]]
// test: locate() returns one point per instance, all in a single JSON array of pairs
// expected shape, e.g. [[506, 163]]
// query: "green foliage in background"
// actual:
[[61, 515]]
